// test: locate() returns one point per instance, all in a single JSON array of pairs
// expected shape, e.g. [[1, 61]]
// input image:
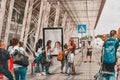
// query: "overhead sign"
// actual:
[[82, 28]]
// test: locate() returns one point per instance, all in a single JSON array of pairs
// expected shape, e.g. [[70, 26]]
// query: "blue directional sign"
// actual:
[[82, 28]]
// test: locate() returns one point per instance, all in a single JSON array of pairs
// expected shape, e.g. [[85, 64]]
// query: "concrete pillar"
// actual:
[[9, 21], [2, 13], [28, 22], [24, 19], [64, 20], [46, 17], [56, 22], [39, 22], [67, 32]]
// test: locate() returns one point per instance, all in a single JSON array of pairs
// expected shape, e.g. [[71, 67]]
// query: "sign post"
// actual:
[[81, 29]]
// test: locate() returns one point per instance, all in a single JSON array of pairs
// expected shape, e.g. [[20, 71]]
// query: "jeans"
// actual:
[[20, 73], [37, 68], [47, 67], [62, 64], [7, 73], [109, 77], [69, 65], [43, 68]]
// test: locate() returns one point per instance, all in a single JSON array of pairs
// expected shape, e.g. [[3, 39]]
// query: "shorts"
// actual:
[[108, 67], [89, 53]]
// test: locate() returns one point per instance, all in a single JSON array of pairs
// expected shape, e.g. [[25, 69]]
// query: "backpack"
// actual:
[[43, 59], [110, 49], [20, 58], [60, 56]]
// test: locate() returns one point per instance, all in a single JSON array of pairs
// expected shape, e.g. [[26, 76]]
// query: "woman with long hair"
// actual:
[[48, 54], [19, 70]]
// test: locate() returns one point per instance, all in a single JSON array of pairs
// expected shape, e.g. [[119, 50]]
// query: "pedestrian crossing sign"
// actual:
[[82, 28]]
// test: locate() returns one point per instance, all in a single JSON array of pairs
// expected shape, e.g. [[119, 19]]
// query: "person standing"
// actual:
[[19, 70], [64, 60], [73, 46], [48, 51], [4, 57], [70, 58], [110, 47], [89, 51], [38, 52]]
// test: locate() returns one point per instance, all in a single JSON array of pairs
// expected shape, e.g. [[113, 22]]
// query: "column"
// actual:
[[45, 18], [39, 22], [24, 19], [47, 11], [2, 13], [64, 20], [28, 22], [57, 15], [9, 21], [67, 31]]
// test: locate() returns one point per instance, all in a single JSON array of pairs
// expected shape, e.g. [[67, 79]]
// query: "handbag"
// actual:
[[20, 58]]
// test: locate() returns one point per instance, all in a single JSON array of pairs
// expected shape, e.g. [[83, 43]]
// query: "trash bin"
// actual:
[[33, 68]]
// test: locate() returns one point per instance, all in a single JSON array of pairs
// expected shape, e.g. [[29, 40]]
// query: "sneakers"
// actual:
[[38, 74], [43, 73], [66, 75]]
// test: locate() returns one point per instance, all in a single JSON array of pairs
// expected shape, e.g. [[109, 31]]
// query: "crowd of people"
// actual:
[[44, 57], [7, 66], [110, 58]]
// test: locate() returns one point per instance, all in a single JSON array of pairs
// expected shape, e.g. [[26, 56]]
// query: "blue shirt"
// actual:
[[110, 48]]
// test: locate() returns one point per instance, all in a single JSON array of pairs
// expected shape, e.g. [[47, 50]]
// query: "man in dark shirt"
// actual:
[[4, 56]]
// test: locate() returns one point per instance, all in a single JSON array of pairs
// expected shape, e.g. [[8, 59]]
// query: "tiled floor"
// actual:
[[84, 71]]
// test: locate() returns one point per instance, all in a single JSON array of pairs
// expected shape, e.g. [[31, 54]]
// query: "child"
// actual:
[[70, 58]]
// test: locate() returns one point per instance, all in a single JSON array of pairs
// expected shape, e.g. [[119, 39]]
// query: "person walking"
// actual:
[[38, 52], [4, 57], [110, 47], [19, 70], [89, 51]]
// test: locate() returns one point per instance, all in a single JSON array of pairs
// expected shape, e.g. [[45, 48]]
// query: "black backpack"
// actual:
[[20, 58]]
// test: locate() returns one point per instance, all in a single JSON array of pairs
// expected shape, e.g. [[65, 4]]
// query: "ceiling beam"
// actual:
[[100, 11]]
